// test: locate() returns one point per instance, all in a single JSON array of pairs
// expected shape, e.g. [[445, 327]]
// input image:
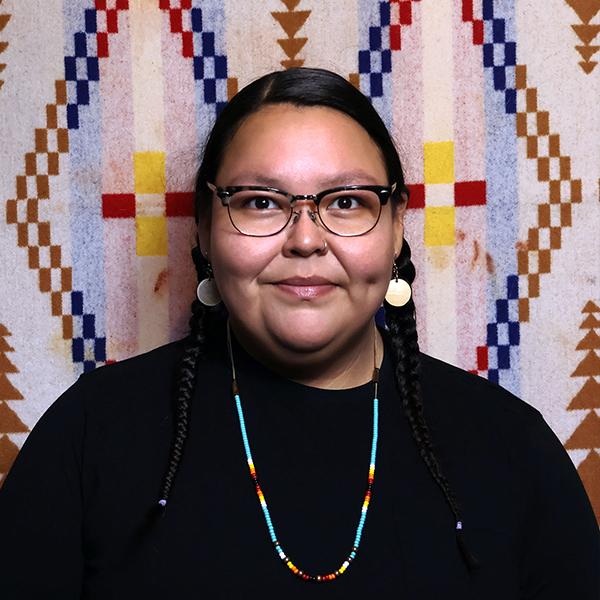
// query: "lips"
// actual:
[[305, 287]]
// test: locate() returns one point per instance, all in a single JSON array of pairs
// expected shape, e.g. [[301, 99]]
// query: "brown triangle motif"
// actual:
[[2, 67], [9, 421], [291, 4], [291, 22], [4, 331], [588, 396], [295, 62], [587, 434], [3, 46], [291, 46], [589, 471], [6, 366], [587, 67], [590, 322], [5, 346], [587, 51], [8, 453], [586, 9], [7, 390], [588, 367], [591, 341], [590, 307], [4, 19], [586, 33]]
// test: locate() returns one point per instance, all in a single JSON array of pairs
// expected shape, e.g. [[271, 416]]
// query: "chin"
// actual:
[[306, 332]]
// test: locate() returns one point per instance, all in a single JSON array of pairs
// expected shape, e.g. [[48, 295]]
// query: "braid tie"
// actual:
[[402, 326]]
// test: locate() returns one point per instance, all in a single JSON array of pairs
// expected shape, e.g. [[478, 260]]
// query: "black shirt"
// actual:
[[73, 506]]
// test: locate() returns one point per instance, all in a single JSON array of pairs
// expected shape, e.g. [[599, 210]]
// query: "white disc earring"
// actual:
[[399, 291], [207, 291]]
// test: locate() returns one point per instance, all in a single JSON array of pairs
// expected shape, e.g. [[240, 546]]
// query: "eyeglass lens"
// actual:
[[345, 212]]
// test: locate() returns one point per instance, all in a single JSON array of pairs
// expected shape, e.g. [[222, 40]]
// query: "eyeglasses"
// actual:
[[263, 211]]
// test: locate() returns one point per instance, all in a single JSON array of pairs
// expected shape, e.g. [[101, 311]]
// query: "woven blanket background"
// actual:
[[105, 105]]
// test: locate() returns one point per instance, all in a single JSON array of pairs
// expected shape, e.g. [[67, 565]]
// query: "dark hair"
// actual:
[[308, 87], [299, 87]]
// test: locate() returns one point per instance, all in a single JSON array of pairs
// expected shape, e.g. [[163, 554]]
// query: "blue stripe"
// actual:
[[82, 73], [499, 57], [374, 56]]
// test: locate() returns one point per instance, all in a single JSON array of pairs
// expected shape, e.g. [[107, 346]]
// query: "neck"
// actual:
[[337, 366]]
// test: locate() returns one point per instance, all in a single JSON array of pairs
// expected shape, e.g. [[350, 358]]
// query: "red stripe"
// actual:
[[179, 204], [478, 32], [102, 42], [417, 195], [469, 193], [176, 21], [467, 10], [482, 358], [406, 13], [188, 44], [112, 21], [118, 206], [395, 39]]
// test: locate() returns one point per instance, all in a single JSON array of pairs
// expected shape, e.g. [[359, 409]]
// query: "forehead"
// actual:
[[286, 143]]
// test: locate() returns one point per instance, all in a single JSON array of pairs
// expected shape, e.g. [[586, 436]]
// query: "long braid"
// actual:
[[402, 326], [195, 349]]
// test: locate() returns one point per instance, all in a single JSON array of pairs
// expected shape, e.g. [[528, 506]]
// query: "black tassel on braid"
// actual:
[[402, 326]]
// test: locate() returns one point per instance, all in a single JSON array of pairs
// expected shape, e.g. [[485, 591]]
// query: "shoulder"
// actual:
[[469, 412], [119, 387], [455, 392], [143, 371]]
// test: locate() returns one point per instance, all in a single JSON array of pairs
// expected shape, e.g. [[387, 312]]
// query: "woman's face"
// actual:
[[303, 290]]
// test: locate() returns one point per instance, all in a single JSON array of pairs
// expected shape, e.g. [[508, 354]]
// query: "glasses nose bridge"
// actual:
[[313, 197], [311, 213]]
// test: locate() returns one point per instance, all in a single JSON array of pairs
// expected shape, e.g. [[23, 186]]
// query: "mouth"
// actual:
[[306, 288]]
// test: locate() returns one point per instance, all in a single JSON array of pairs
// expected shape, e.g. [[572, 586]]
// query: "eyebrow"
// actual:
[[355, 177]]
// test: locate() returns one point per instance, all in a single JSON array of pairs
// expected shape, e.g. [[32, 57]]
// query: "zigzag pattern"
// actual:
[[45, 256], [534, 258], [81, 70], [376, 62], [82, 67]]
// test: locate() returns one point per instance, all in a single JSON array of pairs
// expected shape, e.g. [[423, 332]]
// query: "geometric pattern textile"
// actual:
[[494, 108]]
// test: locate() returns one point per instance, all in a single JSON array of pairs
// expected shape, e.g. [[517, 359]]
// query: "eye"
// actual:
[[259, 202], [345, 203]]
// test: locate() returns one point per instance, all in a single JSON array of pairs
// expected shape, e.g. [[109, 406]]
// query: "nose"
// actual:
[[304, 234]]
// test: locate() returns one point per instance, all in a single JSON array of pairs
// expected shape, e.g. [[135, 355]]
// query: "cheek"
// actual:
[[370, 260], [238, 261]]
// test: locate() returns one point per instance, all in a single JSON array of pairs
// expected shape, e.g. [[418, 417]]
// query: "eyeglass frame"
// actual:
[[384, 193]]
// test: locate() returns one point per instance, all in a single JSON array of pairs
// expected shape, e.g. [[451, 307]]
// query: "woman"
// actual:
[[300, 201]]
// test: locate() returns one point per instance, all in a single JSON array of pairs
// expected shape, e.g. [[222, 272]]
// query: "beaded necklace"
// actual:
[[261, 497]]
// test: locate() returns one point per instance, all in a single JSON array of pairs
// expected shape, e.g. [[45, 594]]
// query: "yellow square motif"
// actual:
[[149, 169], [439, 226], [151, 237], [439, 162]]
